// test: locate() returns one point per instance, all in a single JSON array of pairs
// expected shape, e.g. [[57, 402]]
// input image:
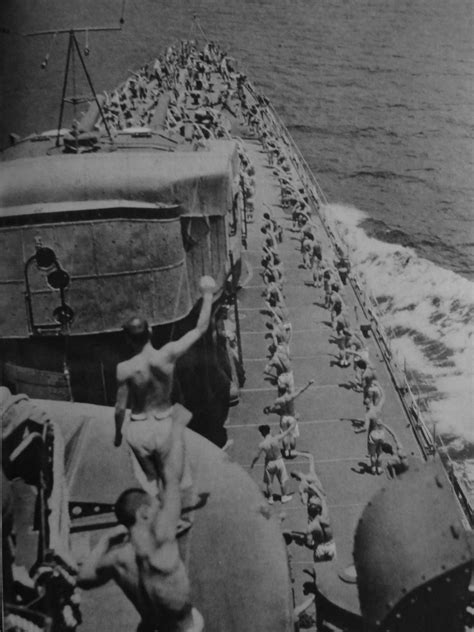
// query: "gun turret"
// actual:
[[413, 555]]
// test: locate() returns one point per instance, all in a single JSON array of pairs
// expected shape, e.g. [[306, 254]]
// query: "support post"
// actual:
[[63, 97], [91, 86]]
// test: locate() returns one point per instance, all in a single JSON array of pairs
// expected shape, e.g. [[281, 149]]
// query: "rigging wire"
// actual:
[[74, 89]]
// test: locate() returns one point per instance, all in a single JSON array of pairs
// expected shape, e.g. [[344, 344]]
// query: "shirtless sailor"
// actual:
[[155, 431], [274, 464], [361, 364], [142, 556], [310, 484], [280, 361], [285, 404], [306, 250], [280, 334], [376, 438], [318, 533], [337, 305], [374, 397], [288, 422]]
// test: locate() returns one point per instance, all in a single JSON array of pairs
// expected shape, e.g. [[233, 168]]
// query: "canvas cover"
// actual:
[[200, 182], [134, 231]]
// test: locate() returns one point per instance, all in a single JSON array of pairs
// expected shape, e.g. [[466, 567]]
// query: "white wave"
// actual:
[[429, 313]]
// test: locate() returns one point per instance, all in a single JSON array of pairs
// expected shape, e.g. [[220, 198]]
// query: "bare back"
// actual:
[[149, 377], [161, 598], [124, 567], [271, 448], [375, 394]]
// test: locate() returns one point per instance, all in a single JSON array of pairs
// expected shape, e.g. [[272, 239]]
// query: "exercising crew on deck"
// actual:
[[155, 431], [144, 561]]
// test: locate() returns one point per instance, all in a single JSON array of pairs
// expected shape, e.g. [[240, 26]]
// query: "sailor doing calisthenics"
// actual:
[[310, 483], [288, 422], [142, 557], [280, 361], [336, 304], [274, 226], [376, 438], [155, 431], [374, 397], [351, 345], [342, 338], [274, 464], [361, 363], [318, 533], [285, 404]]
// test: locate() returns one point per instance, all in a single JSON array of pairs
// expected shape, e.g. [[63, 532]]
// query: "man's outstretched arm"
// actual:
[[283, 434], [300, 391], [179, 347]]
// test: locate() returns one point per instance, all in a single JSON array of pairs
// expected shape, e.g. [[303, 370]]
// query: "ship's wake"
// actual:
[[427, 312]]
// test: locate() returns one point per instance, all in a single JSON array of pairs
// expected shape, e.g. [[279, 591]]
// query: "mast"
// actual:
[[73, 52]]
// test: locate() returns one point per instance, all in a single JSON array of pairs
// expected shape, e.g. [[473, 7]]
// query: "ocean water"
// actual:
[[379, 97]]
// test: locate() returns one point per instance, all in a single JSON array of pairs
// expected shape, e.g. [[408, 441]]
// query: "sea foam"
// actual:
[[428, 313]]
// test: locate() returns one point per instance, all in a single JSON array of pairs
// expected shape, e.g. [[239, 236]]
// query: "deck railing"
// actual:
[[367, 302]]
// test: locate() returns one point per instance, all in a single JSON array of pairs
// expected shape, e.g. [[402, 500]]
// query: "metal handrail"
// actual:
[[281, 125]]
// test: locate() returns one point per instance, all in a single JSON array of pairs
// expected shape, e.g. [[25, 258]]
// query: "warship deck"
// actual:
[[326, 409]]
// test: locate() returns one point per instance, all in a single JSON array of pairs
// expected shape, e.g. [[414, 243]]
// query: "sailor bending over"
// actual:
[[155, 431], [318, 533], [310, 483], [143, 558]]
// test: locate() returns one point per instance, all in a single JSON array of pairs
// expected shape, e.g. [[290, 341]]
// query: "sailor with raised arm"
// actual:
[[155, 431], [274, 464], [285, 404], [142, 556]]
